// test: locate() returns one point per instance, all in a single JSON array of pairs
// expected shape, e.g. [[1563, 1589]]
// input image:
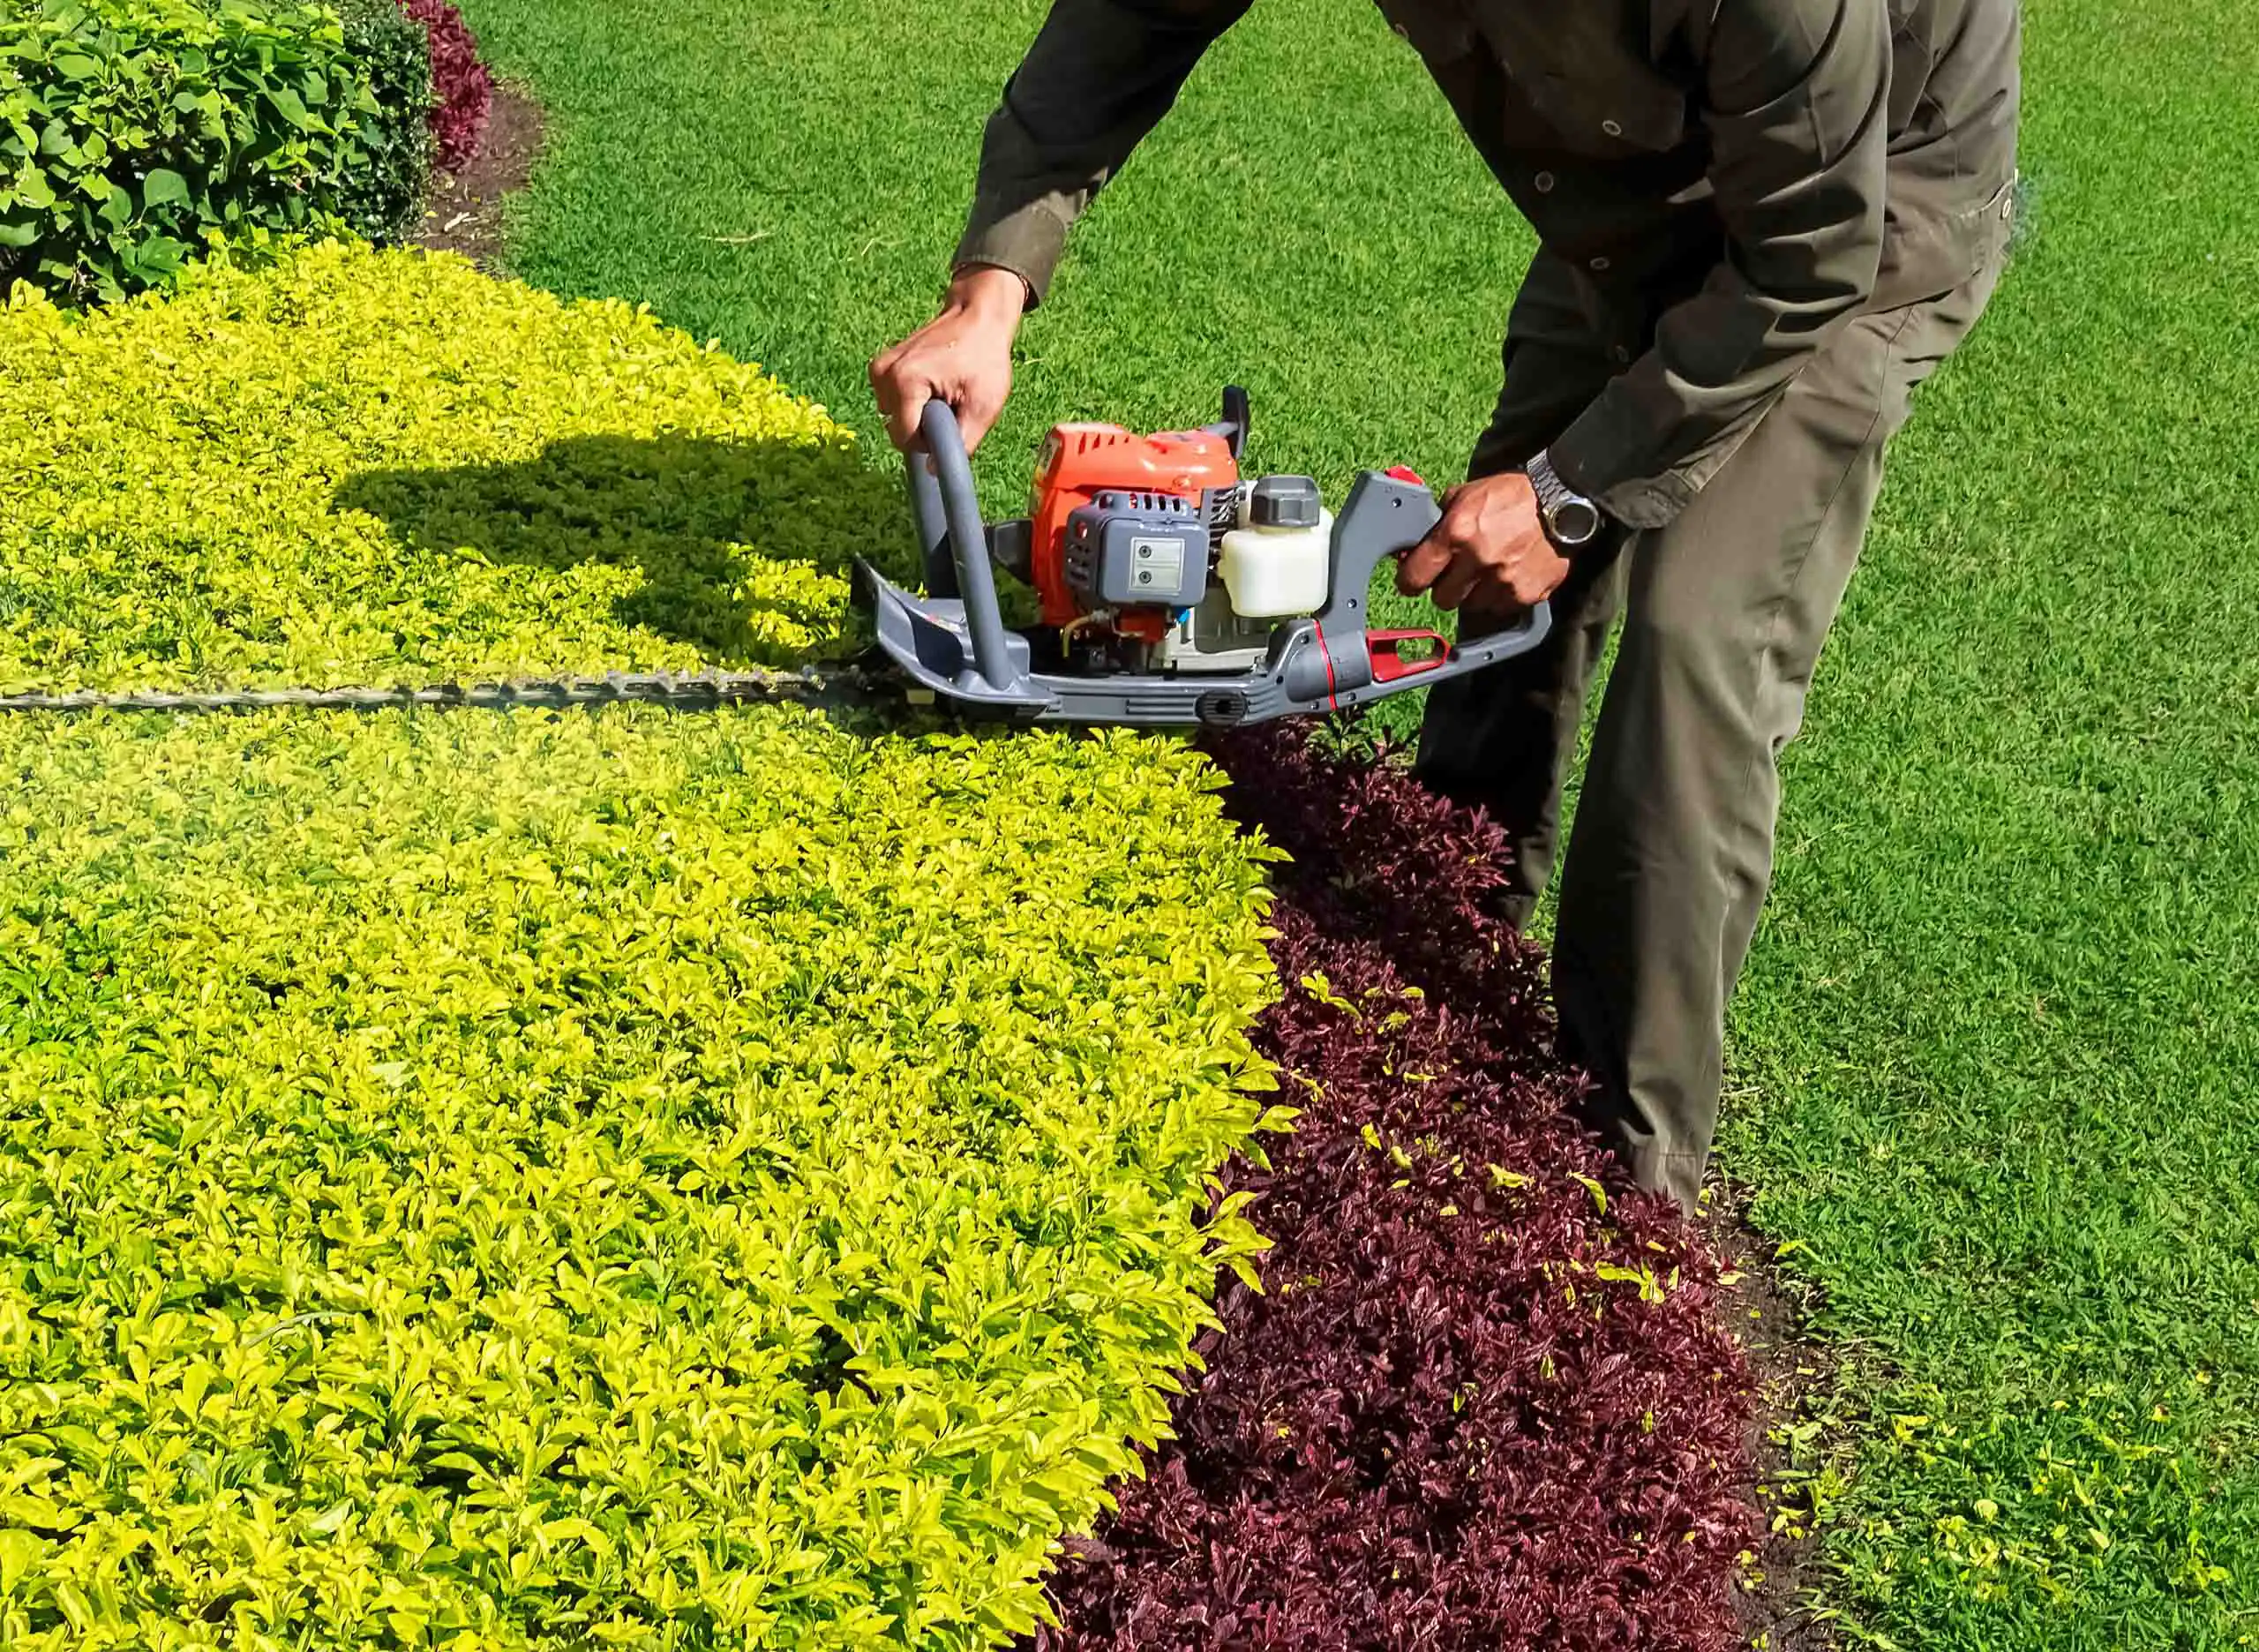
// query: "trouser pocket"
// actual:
[[1930, 255], [1936, 327]]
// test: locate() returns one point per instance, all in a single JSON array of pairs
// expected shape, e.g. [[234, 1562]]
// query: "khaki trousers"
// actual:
[[1723, 614]]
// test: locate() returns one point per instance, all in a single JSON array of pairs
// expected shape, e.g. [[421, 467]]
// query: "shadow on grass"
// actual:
[[743, 547]]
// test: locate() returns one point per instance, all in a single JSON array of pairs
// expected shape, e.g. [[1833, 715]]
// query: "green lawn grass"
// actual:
[[2002, 1033], [1997, 1045]]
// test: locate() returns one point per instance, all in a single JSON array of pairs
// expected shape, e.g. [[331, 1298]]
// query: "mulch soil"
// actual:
[[467, 206], [1793, 1373]]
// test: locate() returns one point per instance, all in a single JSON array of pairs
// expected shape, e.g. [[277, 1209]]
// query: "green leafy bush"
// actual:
[[617, 1179], [133, 133], [367, 466], [383, 198]]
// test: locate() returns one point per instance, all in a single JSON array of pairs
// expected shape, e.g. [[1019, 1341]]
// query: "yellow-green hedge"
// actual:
[[365, 466], [515, 1179]]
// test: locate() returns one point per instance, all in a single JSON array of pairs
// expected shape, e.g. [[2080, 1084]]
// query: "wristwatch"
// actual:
[[1572, 520]]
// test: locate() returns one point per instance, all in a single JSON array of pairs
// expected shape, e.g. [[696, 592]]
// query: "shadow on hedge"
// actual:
[[726, 533]]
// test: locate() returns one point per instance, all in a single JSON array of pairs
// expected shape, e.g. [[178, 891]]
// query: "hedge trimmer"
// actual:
[[1171, 592]]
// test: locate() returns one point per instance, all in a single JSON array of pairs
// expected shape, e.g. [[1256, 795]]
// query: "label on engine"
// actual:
[[1156, 564]]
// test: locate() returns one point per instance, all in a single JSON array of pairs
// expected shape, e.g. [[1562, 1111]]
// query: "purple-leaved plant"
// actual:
[[1486, 1399], [465, 86]]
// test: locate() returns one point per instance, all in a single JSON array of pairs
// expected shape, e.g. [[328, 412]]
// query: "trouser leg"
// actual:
[[1502, 738], [1725, 612]]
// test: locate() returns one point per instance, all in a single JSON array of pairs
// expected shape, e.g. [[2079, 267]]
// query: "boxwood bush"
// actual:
[[366, 466], [617, 1178], [134, 132], [384, 196]]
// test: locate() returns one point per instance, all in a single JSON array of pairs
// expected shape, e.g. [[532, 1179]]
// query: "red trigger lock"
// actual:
[[1405, 473]]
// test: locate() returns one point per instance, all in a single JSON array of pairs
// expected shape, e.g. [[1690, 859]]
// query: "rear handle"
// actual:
[[1385, 515]]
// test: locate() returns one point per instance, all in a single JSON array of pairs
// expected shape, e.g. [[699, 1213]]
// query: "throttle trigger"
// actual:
[[1385, 651]]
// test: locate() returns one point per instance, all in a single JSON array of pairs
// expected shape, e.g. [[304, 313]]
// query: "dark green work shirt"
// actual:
[[1724, 182]]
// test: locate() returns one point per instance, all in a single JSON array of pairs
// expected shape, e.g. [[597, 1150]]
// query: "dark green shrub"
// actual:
[[383, 198], [135, 132]]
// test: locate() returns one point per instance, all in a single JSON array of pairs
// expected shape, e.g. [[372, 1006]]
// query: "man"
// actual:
[[1764, 222]]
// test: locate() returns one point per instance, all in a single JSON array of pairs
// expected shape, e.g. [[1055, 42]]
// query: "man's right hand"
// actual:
[[964, 355]]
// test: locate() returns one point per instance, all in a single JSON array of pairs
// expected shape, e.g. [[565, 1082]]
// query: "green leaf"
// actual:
[[287, 104], [30, 188], [155, 257], [19, 1551], [162, 187]]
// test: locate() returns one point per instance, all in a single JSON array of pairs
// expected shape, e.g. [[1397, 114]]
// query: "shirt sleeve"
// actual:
[[1795, 95], [1100, 76]]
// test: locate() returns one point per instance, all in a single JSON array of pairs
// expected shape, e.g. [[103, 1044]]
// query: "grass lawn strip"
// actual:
[[2000, 1032], [669, 1179], [733, 167]]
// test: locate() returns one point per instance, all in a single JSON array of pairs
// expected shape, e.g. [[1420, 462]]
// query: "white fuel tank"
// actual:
[[1275, 563]]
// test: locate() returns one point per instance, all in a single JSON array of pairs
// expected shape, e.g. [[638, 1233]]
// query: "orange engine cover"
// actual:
[[1079, 462]]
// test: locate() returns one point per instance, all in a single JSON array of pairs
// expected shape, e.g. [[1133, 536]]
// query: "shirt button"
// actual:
[[1545, 181], [1599, 264], [1614, 129]]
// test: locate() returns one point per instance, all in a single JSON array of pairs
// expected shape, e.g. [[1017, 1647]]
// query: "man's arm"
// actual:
[[1100, 76], [1795, 96]]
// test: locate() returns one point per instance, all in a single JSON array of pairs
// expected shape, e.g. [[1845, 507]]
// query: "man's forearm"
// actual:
[[988, 293], [1100, 76]]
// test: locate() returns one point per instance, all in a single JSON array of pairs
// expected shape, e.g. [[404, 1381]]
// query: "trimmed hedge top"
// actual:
[[676, 1179], [365, 467]]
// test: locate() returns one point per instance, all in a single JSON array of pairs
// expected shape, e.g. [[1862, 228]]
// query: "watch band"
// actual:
[[1572, 520]]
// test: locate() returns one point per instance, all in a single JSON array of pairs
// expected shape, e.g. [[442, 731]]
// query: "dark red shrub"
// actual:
[[1443, 1426], [465, 88]]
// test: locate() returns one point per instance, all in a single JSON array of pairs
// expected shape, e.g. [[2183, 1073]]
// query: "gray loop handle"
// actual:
[[954, 540]]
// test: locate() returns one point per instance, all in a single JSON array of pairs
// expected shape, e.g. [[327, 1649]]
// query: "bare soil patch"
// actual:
[[467, 206], [1793, 1370]]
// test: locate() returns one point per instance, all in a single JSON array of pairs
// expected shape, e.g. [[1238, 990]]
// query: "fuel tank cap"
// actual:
[[1284, 502]]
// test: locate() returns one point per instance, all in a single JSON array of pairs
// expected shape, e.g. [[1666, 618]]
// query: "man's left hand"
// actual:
[[1489, 552]]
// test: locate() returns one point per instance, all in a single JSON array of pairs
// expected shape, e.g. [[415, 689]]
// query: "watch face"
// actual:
[[1574, 521]]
